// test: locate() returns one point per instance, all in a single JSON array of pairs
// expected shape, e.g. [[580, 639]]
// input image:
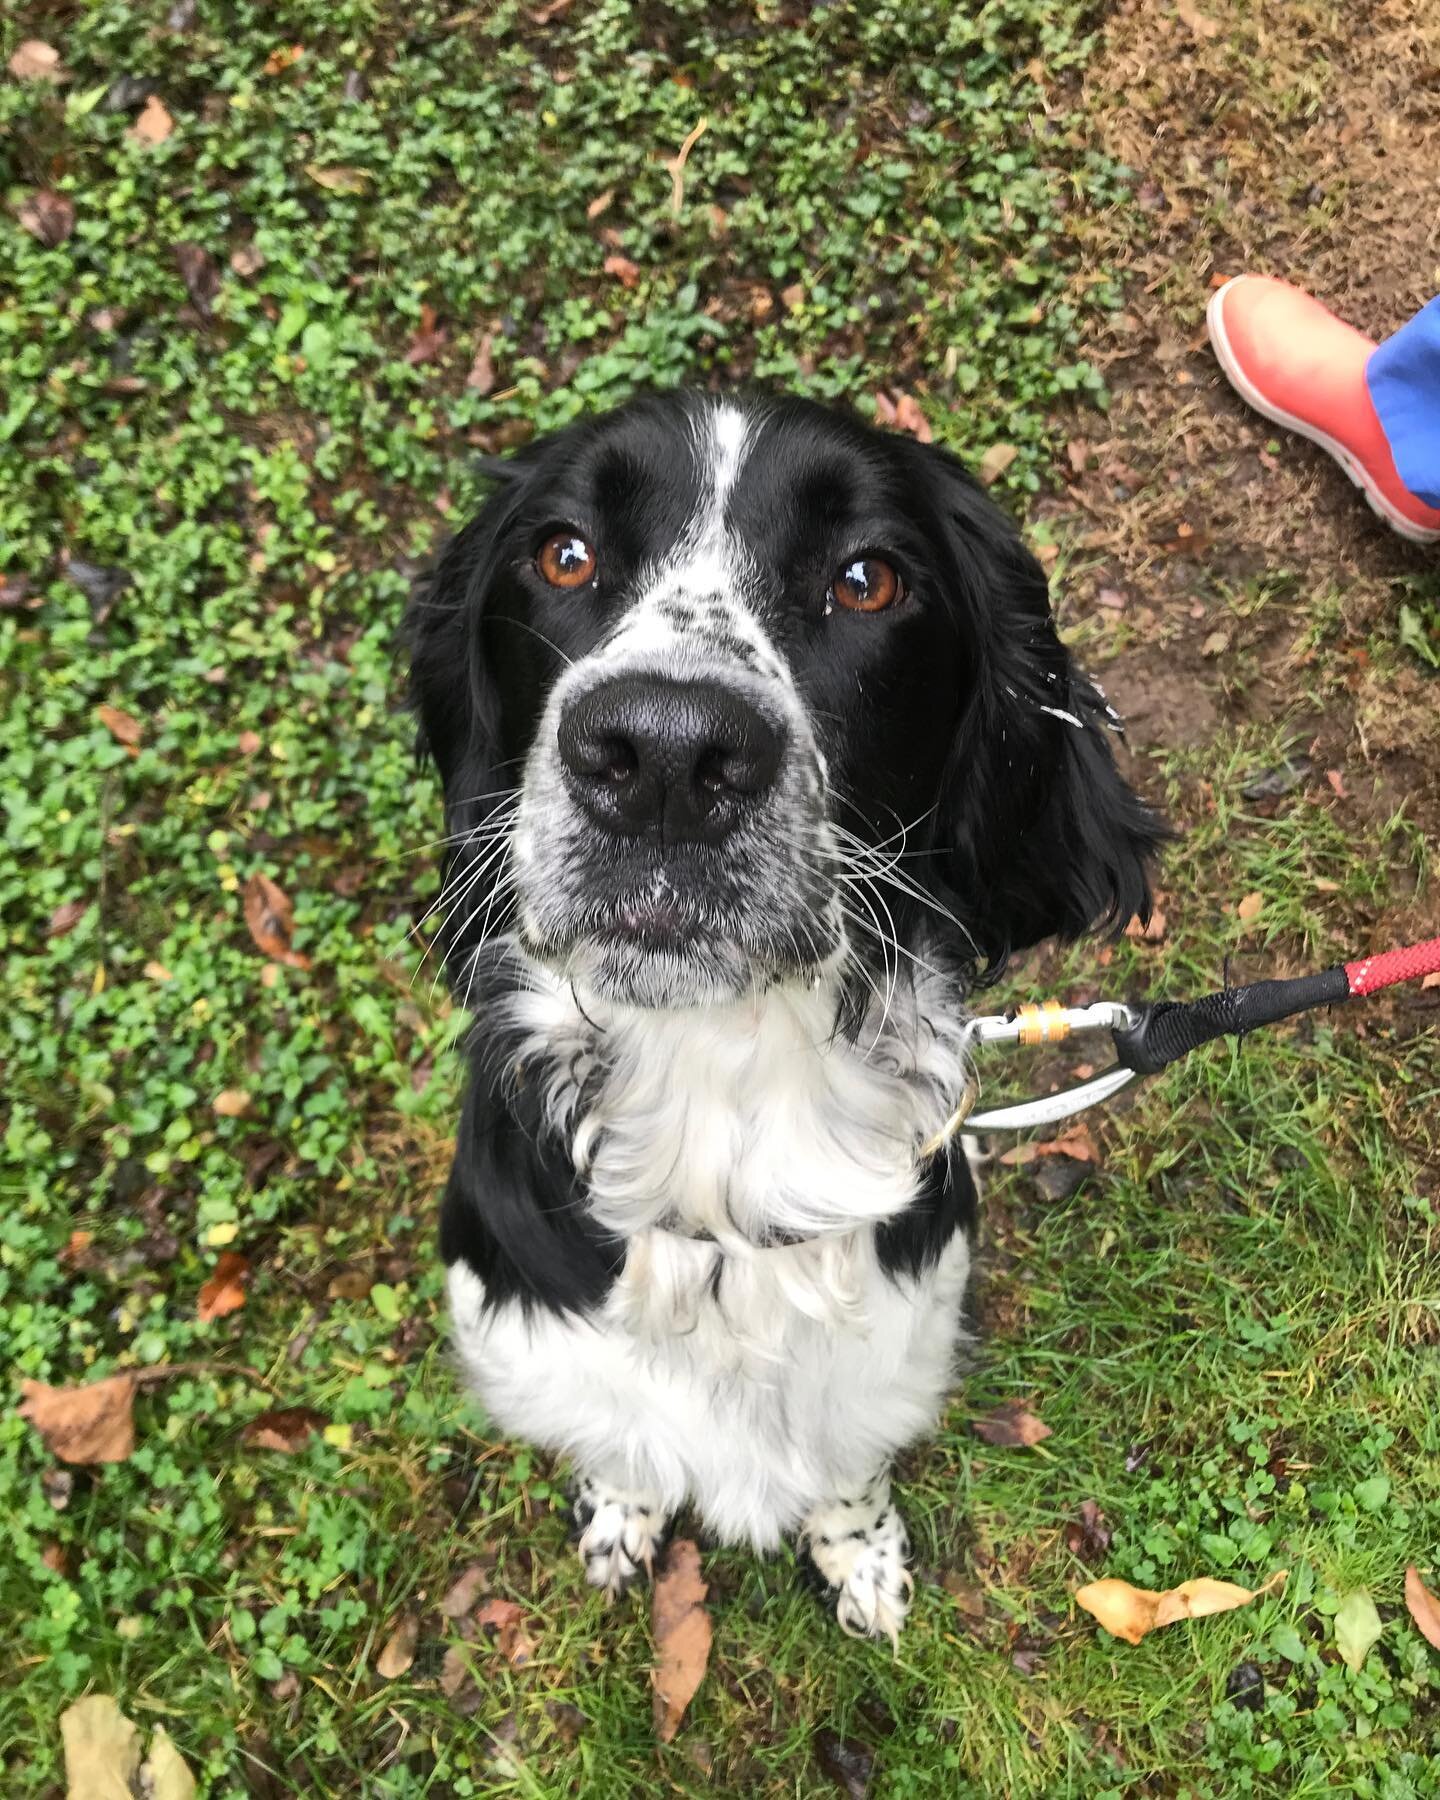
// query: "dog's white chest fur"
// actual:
[[757, 1382]]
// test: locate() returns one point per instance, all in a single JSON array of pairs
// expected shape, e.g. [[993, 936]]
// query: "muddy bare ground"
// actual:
[[1232, 574]]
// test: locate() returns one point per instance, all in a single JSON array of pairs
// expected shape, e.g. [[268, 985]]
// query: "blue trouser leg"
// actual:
[[1404, 378]]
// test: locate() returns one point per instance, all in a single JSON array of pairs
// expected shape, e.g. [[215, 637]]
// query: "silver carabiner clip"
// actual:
[[1050, 1023]]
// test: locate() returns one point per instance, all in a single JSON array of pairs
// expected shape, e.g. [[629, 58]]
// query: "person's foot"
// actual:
[[1292, 360]]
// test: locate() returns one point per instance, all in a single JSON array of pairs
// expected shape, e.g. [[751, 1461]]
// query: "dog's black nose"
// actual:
[[678, 759]]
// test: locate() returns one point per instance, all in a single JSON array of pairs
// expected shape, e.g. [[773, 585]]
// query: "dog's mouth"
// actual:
[[667, 925], [664, 944], [660, 920]]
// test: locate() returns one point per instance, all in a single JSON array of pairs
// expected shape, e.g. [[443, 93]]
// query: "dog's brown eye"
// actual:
[[566, 560], [868, 584]]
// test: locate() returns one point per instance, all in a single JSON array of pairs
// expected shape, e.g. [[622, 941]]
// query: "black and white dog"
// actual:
[[758, 746]]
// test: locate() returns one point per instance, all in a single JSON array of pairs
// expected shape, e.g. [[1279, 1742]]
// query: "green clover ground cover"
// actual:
[[239, 402]]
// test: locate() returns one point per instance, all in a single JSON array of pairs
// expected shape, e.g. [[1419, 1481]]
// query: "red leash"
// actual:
[[1394, 966], [1165, 1030]]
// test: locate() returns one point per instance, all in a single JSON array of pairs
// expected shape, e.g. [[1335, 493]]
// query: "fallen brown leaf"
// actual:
[[1011, 1427], [600, 204], [1337, 784], [48, 216], [627, 273], [1423, 1607], [124, 727], [909, 417], [996, 460], [1088, 1537], [428, 341], [1251, 907], [92, 1423], [1078, 1145], [66, 917], [399, 1650], [270, 916], [284, 1428], [454, 1670], [285, 57], [1019, 1155], [969, 1596], [75, 1247], [248, 742], [507, 1620], [200, 275], [902, 413], [1431, 981], [683, 1634], [1151, 932], [36, 61], [232, 1103], [224, 1292], [1216, 644], [462, 1593], [543, 15], [154, 124], [247, 261], [481, 379], [1131, 1612]]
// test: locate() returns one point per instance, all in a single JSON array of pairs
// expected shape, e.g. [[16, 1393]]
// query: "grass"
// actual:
[[210, 511]]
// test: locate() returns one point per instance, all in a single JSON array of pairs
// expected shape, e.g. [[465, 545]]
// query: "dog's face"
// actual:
[[725, 694]]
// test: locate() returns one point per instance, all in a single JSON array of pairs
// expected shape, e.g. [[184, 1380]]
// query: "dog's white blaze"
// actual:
[[728, 440]]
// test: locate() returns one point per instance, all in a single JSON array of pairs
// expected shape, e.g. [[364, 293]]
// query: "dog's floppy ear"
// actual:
[[1039, 833], [452, 691]]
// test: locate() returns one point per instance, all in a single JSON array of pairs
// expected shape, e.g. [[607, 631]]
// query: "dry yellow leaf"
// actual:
[[339, 180], [399, 1651], [1251, 907], [1132, 1612], [102, 1749], [164, 1774], [102, 1756]]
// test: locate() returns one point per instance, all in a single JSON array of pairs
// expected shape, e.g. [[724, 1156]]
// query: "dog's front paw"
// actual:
[[619, 1533], [860, 1549]]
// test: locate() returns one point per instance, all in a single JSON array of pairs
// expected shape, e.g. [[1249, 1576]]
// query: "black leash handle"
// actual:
[[1166, 1030]]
